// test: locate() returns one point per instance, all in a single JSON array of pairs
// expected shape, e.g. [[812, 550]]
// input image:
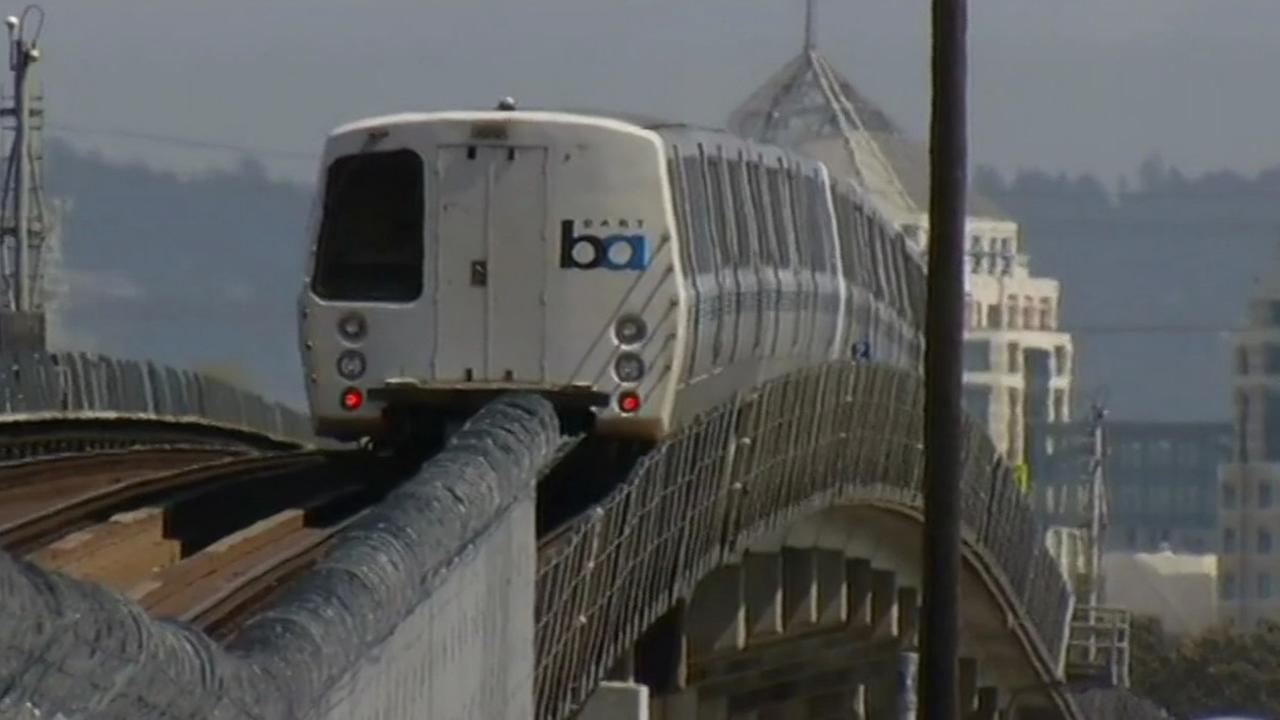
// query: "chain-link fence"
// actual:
[[838, 433], [70, 383], [75, 648]]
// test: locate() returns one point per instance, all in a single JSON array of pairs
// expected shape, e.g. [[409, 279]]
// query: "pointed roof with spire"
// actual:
[[797, 101], [809, 106]]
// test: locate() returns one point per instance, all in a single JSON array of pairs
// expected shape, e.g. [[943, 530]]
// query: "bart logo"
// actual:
[[612, 252]]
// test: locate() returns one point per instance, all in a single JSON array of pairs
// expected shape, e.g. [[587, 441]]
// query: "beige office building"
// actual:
[[1249, 517]]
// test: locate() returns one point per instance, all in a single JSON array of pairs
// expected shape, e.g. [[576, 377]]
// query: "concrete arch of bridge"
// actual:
[[820, 619], [773, 461]]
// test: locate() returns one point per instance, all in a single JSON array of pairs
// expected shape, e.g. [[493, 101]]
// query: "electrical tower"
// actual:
[[27, 230]]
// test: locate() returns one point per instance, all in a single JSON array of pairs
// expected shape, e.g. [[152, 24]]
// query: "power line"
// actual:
[[1151, 329], [190, 142]]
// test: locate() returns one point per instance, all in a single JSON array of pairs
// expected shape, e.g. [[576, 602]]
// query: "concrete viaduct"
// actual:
[[765, 562]]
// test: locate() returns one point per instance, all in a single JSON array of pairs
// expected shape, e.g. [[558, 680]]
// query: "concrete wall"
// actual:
[[440, 662], [423, 607]]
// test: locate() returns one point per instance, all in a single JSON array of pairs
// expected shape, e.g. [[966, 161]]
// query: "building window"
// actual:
[[1028, 314], [1015, 426], [1228, 497], [1242, 360], [1013, 362], [1242, 426], [977, 402], [1264, 586], [1011, 316], [1060, 360], [1271, 359], [1046, 314], [1264, 494], [975, 244], [993, 315], [1006, 246], [1228, 540], [977, 355], [1229, 586], [1264, 541], [1271, 426]]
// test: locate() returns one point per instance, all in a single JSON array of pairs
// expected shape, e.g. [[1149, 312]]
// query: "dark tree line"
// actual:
[[1215, 673]]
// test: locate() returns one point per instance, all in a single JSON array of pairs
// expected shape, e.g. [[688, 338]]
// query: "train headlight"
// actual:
[[630, 330], [351, 364], [629, 367], [352, 327]]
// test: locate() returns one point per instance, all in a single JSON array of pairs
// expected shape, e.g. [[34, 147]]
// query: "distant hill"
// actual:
[[1172, 251], [200, 272]]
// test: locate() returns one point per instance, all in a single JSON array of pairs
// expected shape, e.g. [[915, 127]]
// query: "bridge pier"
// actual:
[[717, 620], [762, 594], [988, 704], [617, 701], [792, 634]]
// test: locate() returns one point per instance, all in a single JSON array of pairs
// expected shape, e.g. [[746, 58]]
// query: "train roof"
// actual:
[[619, 120], [412, 118]]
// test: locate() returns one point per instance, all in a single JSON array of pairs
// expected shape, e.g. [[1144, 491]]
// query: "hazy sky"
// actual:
[[1079, 85]]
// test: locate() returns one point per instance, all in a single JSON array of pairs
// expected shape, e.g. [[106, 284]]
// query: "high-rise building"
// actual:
[[1161, 482], [1249, 563]]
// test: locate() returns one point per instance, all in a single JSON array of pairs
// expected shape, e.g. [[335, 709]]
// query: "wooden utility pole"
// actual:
[[944, 331]]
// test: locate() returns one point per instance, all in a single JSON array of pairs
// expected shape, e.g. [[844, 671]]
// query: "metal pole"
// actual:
[[1097, 501], [944, 329], [809, 29], [22, 239]]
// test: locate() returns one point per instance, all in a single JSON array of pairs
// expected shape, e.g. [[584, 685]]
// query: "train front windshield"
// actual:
[[371, 235]]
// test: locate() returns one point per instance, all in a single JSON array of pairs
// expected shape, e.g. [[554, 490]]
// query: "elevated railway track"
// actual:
[[198, 534]]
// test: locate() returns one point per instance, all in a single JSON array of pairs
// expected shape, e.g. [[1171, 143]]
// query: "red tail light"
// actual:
[[352, 399], [629, 402]]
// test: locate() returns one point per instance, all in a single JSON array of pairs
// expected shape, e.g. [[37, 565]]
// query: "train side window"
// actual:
[[719, 216], [900, 270], [741, 211], [848, 239], [799, 221], [878, 260], [373, 229], [699, 216], [820, 224], [895, 275], [919, 293], [778, 199], [904, 287], [766, 251], [680, 201], [861, 256], [863, 268]]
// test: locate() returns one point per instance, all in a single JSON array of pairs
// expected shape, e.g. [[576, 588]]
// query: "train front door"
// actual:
[[490, 264]]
